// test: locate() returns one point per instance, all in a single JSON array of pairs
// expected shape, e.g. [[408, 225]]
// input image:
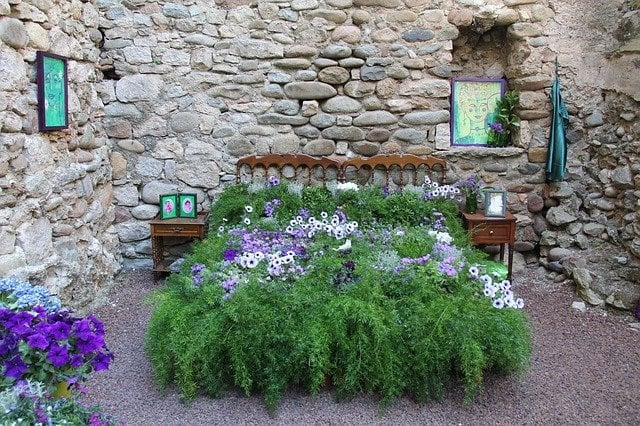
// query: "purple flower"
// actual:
[[92, 343], [95, 420], [7, 344], [350, 264], [19, 323], [304, 214], [385, 191], [76, 360], [97, 324], [101, 361], [14, 367], [58, 356], [59, 330], [83, 330], [496, 127], [42, 417], [230, 255], [273, 181], [38, 341]]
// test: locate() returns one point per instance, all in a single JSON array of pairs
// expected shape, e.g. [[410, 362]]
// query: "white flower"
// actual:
[[486, 279], [400, 233], [350, 228], [498, 303], [335, 221], [487, 292], [299, 219], [474, 272], [507, 293], [339, 233], [310, 234], [328, 229], [252, 263], [505, 285], [317, 226], [312, 220], [293, 222], [221, 228], [291, 253], [324, 215], [354, 224], [289, 229], [427, 180], [519, 303], [247, 221], [248, 209], [347, 186], [434, 184], [259, 255], [224, 219], [344, 247]]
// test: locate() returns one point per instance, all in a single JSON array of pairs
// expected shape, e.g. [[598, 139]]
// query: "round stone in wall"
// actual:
[[359, 89], [341, 104], [378, 135], [322, 121], [309, 90], [372, 73], [336, 51], [417, 34], [320, 147], [367, 149], [334, 75], [375, 118]]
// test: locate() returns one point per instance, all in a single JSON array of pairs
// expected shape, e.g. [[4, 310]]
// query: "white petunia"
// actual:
[[293, 222], [299, 219], [498, 303], [328, 229], [519, 303], [487, 292], [311, 234], [505, 285], [291, 253], [248, 209], [289, 229], [247, 221], [324, 215], [221, 228], [252, 263], [486, 279], [474, 272], [259, 255], [335, 221]]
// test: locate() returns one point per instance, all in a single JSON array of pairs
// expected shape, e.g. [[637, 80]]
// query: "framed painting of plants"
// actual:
[[168, 206], [53, 92], [474, 104]]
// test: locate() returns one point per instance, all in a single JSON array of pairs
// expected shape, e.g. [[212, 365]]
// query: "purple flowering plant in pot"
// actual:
[[50, 347], [470, 187]]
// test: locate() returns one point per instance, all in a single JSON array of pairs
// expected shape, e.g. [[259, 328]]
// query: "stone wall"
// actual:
[[56, 196], [192, 86]]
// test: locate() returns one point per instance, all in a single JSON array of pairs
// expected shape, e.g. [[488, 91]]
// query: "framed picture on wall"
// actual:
[[168, 206], [187, 205], [495, 202], [53, 94], [474, 108]]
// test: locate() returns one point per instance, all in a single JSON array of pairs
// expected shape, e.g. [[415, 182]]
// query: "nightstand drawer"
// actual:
[[177, 230], [484, 233]]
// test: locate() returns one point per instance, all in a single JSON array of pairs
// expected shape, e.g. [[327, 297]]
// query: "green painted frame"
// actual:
[[53, 91]]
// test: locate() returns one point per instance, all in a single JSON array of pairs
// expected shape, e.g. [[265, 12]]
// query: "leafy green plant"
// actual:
[[506, 120], [390, 305]]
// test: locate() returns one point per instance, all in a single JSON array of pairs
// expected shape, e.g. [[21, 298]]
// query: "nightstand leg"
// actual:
[[157, 251], [502, 252], [510, 260]]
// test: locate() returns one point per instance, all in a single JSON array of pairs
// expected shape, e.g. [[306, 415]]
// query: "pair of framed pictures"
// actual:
[[178, 205]]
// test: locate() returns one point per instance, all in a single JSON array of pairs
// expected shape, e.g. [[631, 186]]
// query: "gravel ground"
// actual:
[[585, 369]]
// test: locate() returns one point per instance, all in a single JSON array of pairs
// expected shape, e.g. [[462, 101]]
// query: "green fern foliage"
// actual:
[[357, 319]]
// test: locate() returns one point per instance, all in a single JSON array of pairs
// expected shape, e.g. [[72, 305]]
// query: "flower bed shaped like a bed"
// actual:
[[376, 293]]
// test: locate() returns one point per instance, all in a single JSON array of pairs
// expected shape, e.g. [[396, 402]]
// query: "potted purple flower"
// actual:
[[470, 187], [50, 347]]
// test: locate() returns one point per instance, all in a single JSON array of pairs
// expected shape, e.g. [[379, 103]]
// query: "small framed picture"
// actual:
[[495, 202], [168, 206], [187, 205], [53, 95]]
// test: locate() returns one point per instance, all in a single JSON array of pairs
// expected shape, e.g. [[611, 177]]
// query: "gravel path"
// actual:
[[585, 369]]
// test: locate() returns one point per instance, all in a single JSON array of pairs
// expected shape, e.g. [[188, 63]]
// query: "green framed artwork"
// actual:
[[168, 206], [474, 108], [53, 95], [187, 205]]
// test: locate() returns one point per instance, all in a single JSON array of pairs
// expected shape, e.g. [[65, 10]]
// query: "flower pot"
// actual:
[[63, 390], [471, 203]]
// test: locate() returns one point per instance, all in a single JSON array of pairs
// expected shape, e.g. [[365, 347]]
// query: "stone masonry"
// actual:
[[189, 86], [56, 192]]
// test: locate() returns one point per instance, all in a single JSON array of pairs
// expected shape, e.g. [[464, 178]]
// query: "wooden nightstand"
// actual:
[[177, 227], [492, 230]]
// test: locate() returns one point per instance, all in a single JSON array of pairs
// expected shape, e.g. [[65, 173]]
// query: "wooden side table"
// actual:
[[492, 230], [176, 227]]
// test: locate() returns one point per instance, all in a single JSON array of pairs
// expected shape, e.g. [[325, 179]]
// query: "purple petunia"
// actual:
[[92, 343], [20, 323], [58, 356], [496, 127], [230, 255], [14, 367], [7, 344], [59, 330], [38, 341], [101, 361], [76, 360]]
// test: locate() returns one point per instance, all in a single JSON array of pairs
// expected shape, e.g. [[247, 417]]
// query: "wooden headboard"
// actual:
[[300, 163], [304, 166]]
